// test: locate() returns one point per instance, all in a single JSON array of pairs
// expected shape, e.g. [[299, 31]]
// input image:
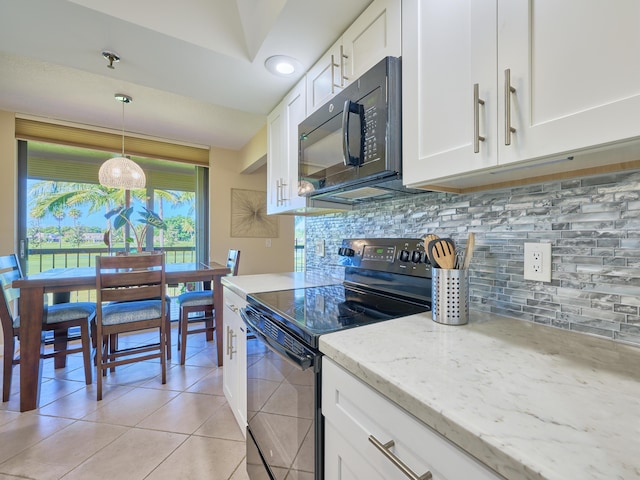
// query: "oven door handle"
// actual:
[[300, 361]]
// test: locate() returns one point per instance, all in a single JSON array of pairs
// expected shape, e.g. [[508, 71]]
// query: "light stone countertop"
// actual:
[[530, 401]]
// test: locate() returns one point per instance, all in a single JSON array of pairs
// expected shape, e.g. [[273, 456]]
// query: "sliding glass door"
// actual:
[[66, 216]]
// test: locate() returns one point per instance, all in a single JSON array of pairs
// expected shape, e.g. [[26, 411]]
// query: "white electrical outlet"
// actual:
[[537, 262], [320, 248]]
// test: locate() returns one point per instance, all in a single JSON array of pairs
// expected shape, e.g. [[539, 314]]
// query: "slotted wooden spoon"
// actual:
[[442, 253], [426, 240]]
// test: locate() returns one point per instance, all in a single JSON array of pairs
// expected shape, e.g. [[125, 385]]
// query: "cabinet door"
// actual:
[[376, 34], [295, 110], [323, 79], [342, 461], [574, 65], [276, 158], [354, 412], [234, 368], [447, 48]]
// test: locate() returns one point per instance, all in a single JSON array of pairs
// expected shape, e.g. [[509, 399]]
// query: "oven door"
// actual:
[[284, 438]]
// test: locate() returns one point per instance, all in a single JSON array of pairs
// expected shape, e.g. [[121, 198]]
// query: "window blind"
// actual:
[[28, 129]]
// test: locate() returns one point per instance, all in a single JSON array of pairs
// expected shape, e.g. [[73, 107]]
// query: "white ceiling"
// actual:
[[195, 68]]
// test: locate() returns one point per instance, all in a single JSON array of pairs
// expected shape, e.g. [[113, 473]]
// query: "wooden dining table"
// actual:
[[57, 280]]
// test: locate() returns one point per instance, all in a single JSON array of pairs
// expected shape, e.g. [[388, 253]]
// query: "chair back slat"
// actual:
[[130, 294], [233, 261], [114, 279], [131, 261]]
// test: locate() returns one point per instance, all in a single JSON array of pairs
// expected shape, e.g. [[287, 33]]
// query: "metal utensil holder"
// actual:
[[450, 296]]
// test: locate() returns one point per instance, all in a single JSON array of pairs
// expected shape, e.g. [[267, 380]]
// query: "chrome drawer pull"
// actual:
[[385, 448]]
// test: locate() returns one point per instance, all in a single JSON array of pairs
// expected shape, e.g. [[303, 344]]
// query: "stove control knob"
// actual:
[[348, 252], [341, 252], [416, 256], [404, 256]]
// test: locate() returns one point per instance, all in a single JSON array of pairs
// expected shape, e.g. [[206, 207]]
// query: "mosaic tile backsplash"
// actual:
[[592, 223]]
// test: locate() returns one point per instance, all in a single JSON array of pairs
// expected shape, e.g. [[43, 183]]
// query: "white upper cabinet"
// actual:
[[375, 34], [276, 161], [282, 154], [448, 47], [323, 79], [576, 71], [553, 77]]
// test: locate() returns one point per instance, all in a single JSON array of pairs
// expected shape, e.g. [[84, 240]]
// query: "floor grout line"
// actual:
[[58, 403]]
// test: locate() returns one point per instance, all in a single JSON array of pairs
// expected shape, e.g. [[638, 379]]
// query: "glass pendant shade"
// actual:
[[121, 172]]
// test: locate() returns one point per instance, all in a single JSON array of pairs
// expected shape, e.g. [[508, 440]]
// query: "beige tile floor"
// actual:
[[140, 430]]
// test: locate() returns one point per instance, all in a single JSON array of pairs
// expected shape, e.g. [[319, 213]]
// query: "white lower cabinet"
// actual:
[[234, 368], [355, 414]]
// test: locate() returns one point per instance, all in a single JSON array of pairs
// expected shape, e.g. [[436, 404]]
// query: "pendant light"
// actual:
[[122, 172]]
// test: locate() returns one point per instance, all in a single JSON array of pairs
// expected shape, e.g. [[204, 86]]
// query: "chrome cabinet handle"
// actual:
[[233, 308], [343, 57], [508, 90], [343, 77], [385, 448], [280, 198], [477, 101], [333, 72], [230, 336]]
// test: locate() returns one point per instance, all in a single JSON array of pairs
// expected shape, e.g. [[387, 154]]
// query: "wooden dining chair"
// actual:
[[130, 297], [58, 318], [201, 308]]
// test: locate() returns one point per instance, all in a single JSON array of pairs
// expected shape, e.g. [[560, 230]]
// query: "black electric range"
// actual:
[[384, 279]]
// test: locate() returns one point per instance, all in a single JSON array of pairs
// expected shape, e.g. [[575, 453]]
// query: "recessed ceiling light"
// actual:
[[282, 65]]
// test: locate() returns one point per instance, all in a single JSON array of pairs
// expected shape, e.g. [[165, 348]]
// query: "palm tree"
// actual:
[[176, 199], [47, 196], [58, 214], [75, 214]]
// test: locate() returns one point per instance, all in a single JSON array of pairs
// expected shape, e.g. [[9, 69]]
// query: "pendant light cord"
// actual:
[[123, 128]]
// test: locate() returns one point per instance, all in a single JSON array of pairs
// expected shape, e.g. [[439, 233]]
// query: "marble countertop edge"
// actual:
[[511, 393]]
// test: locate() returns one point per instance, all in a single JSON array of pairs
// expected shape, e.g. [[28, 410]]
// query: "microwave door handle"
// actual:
[[349, 108]]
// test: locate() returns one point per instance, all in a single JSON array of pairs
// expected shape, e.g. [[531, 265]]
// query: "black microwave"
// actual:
[[350, 149]]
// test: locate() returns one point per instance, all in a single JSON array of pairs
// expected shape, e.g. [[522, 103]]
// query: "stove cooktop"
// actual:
[[314, 311], [384, 278]]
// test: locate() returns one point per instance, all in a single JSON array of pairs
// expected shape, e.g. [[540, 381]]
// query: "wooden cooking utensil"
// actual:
[[429, 237], [442, 253], [468, 250], [426, 240]]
